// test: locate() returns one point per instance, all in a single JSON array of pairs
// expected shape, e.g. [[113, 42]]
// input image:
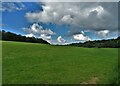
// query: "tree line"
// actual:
[[8, 36], [110, 43]]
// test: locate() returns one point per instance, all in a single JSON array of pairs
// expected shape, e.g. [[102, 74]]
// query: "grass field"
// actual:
[[29, 63]]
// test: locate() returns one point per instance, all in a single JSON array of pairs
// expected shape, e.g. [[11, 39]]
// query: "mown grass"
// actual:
[[32, 63], [0, 63]]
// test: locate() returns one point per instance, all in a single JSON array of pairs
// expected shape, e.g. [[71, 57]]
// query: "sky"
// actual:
[[61, 22]]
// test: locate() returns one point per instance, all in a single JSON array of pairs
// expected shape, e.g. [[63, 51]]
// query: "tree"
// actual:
[[8, 36]]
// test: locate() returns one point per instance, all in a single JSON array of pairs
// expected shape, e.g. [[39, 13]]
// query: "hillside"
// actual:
[[8, 36], [33, 63], [110, 43]]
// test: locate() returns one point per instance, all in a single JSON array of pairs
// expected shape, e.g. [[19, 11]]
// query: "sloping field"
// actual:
[[30, 63]]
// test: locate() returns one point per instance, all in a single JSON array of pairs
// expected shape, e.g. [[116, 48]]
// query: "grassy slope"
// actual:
[[38, 63], [0, 63]]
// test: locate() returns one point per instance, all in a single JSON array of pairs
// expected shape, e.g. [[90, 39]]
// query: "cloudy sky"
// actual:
[[61, 22]]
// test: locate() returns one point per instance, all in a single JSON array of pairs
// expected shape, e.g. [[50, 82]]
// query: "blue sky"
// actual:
[[61, 23], [15, 20]]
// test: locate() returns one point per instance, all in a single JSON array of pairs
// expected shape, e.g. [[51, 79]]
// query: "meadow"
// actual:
[[33, 63]]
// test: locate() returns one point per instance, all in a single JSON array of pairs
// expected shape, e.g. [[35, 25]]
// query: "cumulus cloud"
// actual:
[[12, 6], [46, 37], [30, 35], [61, 40], [103, 33], [95, 16], [37, 30], [81, 37], [79, 0]]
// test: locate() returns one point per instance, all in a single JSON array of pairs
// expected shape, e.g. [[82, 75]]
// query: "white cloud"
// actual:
[[46, 38], [61, 40], [37, 30], [81, 37], [79, 0], [67, 19], [30, 35], [82, 32], [99, 9], [103, 33], [79, 16], [11, 6], [47, 31], [60, 0], [94, 16]]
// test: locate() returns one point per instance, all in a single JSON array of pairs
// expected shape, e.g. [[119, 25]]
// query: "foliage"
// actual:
[[8, 36], [112, 43]]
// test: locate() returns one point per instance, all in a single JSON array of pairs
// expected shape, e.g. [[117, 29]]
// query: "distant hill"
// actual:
[[110, 43], [8, 36]]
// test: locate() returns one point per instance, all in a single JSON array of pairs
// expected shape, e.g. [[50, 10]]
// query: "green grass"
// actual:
[[0, 63], [29, 63]]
